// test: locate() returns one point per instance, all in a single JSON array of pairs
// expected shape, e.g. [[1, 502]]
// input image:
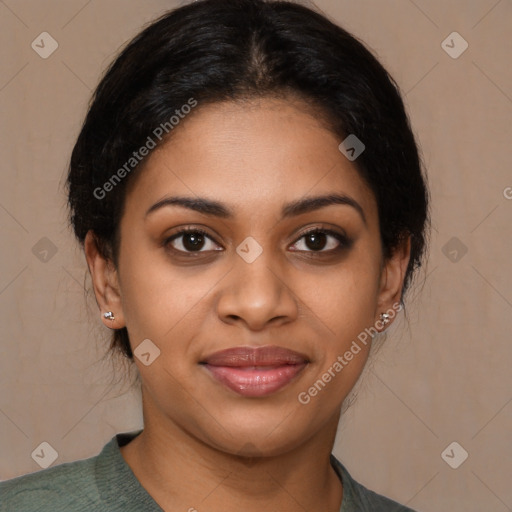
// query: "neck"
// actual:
[[182, 472]]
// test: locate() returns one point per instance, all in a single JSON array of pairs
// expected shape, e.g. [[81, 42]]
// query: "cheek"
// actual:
[[168, 304], [344, 299], [344, 307], [156, 297], [342, 302]]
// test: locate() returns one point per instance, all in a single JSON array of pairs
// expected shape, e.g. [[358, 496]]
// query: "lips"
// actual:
[[255, 371]]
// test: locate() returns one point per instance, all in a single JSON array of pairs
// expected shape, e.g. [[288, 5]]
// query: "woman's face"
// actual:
[[253, 279]]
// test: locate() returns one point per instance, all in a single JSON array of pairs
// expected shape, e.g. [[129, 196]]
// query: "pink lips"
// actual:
[[255, 371]]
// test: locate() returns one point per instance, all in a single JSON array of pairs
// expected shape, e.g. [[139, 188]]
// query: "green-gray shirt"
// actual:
[[106, 483]]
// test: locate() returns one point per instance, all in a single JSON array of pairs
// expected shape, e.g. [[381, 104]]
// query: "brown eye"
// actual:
[[191, 240], [322, 240]]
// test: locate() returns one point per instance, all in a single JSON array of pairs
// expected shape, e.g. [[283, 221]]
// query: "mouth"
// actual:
[[255, 371]]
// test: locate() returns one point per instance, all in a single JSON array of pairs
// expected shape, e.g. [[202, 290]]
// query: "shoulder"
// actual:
[[356, 497], [101, 482], [80, 485], [55, 488]]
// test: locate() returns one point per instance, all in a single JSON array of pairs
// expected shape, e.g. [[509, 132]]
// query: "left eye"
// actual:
[[317, 239]]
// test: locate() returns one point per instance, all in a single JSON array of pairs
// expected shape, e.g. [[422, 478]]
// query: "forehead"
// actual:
[[254, 155]]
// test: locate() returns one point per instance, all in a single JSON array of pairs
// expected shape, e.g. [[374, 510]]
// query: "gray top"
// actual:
[[105, 482]]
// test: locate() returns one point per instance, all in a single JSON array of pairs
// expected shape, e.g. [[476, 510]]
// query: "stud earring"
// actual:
[[109, 315], [384, 317]]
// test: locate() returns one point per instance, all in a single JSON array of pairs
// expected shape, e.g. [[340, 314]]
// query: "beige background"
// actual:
[[444, 376]]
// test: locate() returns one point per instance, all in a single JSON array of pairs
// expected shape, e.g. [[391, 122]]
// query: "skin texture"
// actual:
[[203, 445]]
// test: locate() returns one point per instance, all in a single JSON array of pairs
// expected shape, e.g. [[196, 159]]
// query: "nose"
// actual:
[[257, 294]]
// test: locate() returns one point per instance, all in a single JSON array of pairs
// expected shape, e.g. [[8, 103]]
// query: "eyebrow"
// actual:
[[218, 209]]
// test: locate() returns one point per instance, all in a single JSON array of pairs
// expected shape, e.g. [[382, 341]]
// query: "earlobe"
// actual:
[[105, 283], [393, 275]]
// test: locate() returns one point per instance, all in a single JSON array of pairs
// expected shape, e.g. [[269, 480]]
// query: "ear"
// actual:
[[392, 278], [106, 283]]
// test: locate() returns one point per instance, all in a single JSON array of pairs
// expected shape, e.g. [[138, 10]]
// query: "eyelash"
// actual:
[[345, 242]]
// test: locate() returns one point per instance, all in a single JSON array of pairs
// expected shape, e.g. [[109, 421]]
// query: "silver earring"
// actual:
[[109, 315], [384, 317]]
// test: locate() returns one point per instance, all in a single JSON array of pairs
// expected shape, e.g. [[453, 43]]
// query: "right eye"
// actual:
[[190, 240]]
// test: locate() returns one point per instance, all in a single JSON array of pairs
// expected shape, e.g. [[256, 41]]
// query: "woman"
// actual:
[[252, 208]]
